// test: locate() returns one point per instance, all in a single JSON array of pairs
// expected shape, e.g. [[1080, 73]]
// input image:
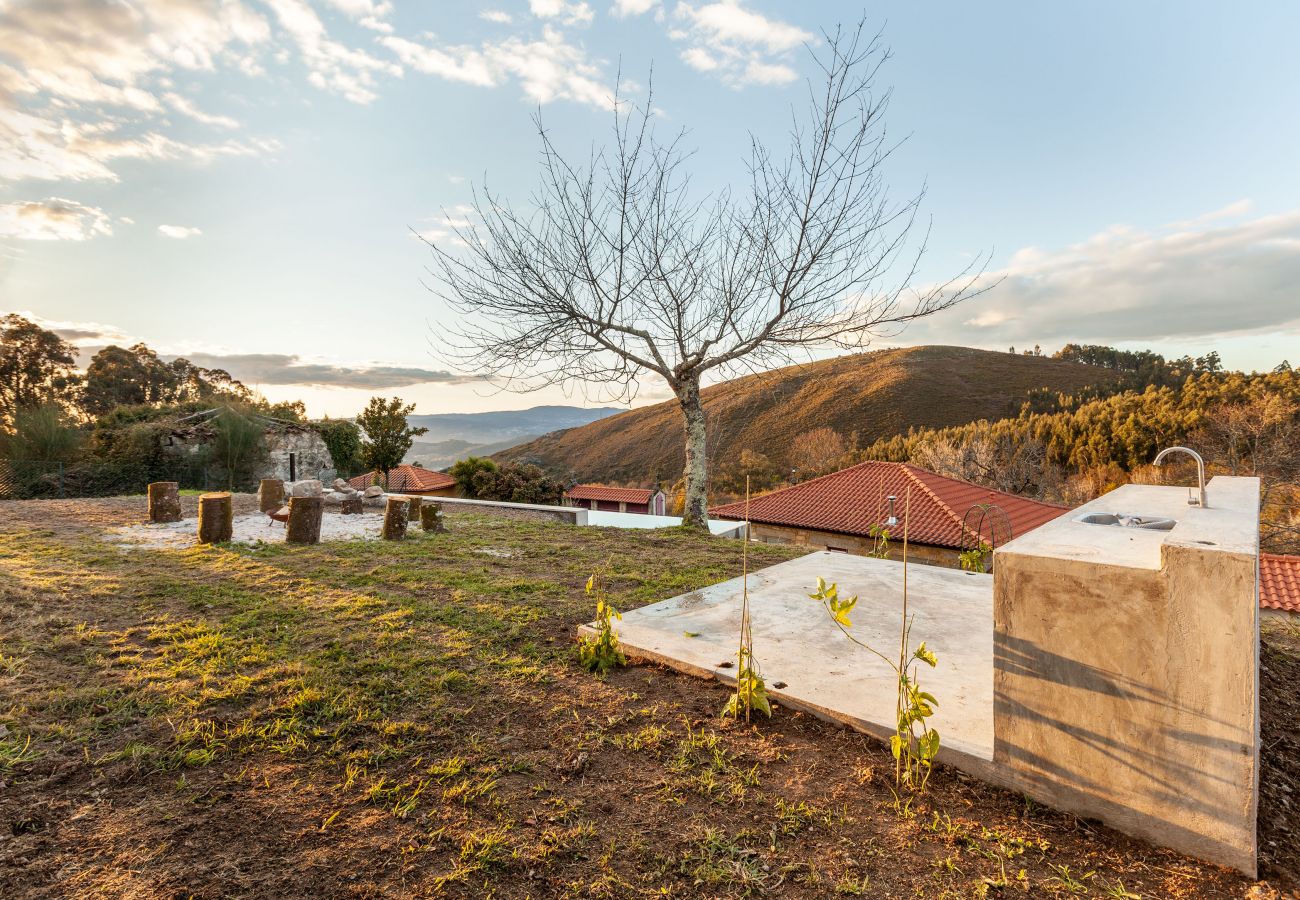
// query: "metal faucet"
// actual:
[[1200, 471]]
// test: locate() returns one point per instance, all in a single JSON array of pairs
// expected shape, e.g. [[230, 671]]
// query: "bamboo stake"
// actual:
[[902, 641], [745, 637]]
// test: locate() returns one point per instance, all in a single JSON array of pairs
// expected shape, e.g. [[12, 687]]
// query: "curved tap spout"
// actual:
[[1200, 471]]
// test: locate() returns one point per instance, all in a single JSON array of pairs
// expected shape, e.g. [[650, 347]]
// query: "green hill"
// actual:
[[873, 395]]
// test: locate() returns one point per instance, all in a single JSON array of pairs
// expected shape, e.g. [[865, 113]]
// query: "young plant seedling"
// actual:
[[751, 691], [914, 743], [601, 653]]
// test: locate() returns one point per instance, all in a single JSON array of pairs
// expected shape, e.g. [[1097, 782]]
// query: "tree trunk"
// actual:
[[304, 520], [413, 514], [215, 518], [353, 504], [270, 495], [164, 502], [696, 511], [395, 518], [431, 518]]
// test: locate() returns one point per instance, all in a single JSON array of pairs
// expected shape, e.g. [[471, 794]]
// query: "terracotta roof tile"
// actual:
[[406, 478], [853, 500], [608, 494], [1279, 582]]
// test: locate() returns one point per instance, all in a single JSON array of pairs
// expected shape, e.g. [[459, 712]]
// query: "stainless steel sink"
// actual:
[[1125, 520]]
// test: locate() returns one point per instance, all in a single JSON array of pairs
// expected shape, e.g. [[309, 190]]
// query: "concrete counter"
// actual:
[[1228, 524], [1126, 668]]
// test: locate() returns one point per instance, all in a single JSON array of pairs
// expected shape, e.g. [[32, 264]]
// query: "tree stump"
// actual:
[[431, 519], [270, 495], [413, 514], [353, 504], [164, 502], [395, 518], [216, 518], [304, 520]]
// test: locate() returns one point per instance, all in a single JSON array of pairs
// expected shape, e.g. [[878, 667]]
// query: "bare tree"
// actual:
[[617, 273]]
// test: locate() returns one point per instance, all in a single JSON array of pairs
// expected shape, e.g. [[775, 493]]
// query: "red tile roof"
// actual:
[[1279, 582], [853, 500], [407, 479], [609, 494]]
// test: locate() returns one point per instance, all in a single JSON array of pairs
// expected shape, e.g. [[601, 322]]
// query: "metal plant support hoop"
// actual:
[[998, 525]]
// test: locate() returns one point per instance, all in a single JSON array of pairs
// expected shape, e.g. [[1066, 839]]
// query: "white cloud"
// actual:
[[331, 65], [51, 149], [1127, 284], [757, 72], [445, 224], [624, 8], [179, 232], [1231, 211], [740, 45], [186, 107], [500, 17], [548, 69], [87, 82], [700, 59], [569, 13], [53, 219], [95, 52]]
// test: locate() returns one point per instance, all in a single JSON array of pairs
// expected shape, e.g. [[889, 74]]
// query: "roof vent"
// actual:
[[892, 520]]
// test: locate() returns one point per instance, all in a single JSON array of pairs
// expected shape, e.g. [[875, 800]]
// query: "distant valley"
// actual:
[[454, 436]]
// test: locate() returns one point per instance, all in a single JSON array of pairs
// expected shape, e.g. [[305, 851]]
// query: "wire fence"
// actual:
[[31, 480]]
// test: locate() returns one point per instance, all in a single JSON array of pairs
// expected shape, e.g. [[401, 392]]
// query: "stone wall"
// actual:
[[312, 457]]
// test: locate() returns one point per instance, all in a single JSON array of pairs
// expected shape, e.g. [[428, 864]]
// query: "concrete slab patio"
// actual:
[[1109, 669], [809, 664]]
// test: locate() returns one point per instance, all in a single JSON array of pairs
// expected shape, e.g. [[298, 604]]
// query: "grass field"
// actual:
[[367, 720]]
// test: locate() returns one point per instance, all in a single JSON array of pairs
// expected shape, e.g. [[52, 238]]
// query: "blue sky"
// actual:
[[236, 180]]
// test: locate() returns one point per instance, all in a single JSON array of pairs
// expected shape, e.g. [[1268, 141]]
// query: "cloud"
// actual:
[[569, 13], [63, 149], [185, 106], [257, 368], [283, 369], [331, 65], [500, 17], [625, 8], [53, 219], [1127, 284], [1231, 211], [79, 333], [84, 83], [547, 70], [179, 232], [741, 46]]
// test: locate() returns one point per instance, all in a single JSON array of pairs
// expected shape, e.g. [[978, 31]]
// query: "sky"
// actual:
[[240, 181]]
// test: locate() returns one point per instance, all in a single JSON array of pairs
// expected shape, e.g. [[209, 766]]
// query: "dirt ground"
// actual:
[[408, 720]]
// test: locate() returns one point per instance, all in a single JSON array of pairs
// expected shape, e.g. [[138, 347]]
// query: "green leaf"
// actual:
[[896, 746], [691, 633], [926, 656]]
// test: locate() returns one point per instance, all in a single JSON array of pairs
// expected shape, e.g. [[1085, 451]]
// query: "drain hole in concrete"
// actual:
[[778, 684], [726, 665]]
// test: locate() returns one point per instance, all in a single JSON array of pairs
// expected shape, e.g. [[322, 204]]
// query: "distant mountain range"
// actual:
[[454, 436], [867, 395]]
